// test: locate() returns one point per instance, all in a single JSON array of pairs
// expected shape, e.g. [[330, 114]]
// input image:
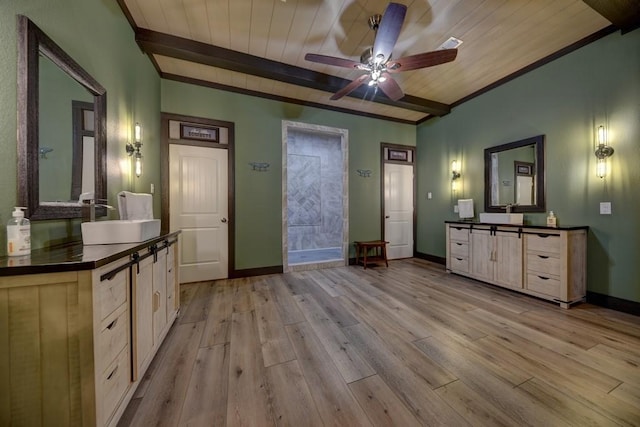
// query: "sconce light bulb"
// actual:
[[138, 165], [455, 170], [138, 133], [602, 135], [601, 168]]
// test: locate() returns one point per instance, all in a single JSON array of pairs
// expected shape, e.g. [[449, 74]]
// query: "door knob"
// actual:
[[224, 220]]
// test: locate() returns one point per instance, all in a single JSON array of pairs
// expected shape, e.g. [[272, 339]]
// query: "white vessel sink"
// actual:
[[502, 218], [119, 231]]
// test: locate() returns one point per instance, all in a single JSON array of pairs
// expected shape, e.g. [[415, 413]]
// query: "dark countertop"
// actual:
[[75, 256], [540, 227]]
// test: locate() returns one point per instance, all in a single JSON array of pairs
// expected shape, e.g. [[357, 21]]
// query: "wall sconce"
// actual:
[[134, 149], [455, 175], [364, 173], [602, 152]]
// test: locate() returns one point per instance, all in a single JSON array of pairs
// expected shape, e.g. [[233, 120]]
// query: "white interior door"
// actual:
[[398, 210], [199, 208]]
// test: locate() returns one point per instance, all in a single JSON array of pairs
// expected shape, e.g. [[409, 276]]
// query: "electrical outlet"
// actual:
[[455, 209], [152, 189], [605, 208], [429, 195]]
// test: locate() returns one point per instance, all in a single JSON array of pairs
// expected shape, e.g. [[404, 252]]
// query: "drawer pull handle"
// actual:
[[113, 373], [156, 301], [459, 244], [112, 324], [544, 236], [543, 278], [543, 256], [459, 259]]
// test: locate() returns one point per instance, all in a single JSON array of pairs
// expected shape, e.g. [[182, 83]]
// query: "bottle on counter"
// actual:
[[552, 220], [18, 234]]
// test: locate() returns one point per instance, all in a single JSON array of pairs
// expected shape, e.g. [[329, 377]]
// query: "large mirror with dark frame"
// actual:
[[61, 129], [514, 176]]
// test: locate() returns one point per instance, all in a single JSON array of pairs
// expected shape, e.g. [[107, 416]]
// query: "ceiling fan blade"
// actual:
[[390, 87], [332, 60], [388, 31], [351, 87], [421, 60]]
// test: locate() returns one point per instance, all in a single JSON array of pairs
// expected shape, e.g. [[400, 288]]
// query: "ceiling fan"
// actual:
[[377, 61]]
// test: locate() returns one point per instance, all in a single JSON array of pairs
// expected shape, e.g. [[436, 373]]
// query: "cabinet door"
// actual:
[[159, 294], [171, 282], [508, 257], [143, 314], [482, 264]]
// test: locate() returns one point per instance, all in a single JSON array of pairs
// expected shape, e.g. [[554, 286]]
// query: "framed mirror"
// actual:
[[61, 129], [514, 175]]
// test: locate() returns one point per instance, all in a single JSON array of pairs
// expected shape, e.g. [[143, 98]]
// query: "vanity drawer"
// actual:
[[112, 338], [114, 382], [112, 293], [543, 263], [544, 242], [460, 234], [544, 284], [459, 264], [460, 249]]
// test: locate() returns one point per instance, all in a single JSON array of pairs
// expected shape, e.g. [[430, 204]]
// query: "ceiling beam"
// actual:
[[153, 42], [624, 14]]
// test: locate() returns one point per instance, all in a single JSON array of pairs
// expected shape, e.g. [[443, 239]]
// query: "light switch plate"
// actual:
[[605, 208], [429, 195]]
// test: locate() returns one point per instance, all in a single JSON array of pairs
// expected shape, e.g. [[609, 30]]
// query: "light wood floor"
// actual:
[[405, 345]]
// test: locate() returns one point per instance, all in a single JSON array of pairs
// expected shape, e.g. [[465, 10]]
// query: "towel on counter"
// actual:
[[465, 208], [135, 205]]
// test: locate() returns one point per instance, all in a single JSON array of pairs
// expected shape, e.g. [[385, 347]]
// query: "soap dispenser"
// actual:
[[551, 220], [18, 234]]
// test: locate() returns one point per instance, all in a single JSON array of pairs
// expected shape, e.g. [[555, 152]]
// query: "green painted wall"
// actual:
[[565, 100], [97, 35], [258, 138]]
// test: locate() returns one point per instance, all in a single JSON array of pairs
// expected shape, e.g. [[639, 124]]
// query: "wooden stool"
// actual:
[[379, 252]]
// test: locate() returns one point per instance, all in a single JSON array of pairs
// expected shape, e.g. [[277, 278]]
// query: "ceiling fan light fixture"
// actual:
[[377, 63], [451, 43]]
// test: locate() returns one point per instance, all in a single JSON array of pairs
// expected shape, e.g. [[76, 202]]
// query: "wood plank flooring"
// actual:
[[404, 345]]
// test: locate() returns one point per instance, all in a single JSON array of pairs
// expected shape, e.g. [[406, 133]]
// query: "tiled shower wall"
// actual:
[[314, 190]]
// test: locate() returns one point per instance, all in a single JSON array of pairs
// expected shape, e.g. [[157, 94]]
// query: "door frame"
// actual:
[[344, 144], [409, 161], [164, 174]]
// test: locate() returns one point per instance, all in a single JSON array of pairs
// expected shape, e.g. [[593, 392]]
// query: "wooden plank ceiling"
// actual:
[[258, 46]]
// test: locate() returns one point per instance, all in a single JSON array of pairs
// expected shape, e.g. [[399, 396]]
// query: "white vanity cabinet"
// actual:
[[496, 256], [556, 265], [155, 303], [71, 330], [458, 248], [549, 263], [112, 340]]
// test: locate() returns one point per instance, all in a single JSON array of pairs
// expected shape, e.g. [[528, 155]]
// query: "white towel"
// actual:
[[465, 208], [135, 205]]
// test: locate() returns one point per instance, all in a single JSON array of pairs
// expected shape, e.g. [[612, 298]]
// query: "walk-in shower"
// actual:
[[315, 211]]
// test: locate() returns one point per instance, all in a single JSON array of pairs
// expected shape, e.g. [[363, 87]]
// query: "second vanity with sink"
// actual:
[[546, 262], [81, 324]]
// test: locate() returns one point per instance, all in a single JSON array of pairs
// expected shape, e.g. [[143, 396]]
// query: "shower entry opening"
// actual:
[[315, 214]]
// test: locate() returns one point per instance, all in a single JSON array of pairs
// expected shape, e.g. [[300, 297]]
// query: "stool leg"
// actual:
[[384, 253], [365, 249]]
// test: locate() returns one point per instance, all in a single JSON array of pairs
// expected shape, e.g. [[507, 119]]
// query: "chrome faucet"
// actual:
[[92, 205], [510, 206]]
